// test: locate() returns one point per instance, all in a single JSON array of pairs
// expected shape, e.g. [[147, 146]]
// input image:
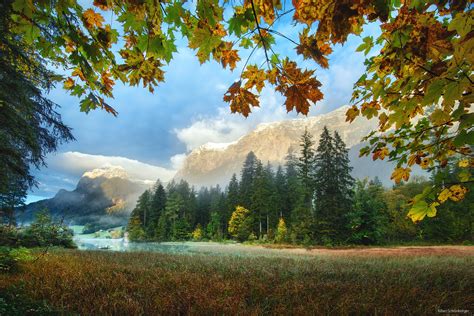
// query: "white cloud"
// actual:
[[177, 161], [225, 127], [76, 163]]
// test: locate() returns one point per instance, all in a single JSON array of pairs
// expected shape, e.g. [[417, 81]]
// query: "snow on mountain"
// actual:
[[213, 164]]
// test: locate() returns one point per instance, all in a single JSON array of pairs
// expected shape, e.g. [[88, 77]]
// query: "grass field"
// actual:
[[146, 283]]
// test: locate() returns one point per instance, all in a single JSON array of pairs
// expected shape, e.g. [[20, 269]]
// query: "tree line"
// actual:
[[311, 199]]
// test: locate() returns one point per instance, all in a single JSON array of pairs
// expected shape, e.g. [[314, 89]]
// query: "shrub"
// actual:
[[11, 257]]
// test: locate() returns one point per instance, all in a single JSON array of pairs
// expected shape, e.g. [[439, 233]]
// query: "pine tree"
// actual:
[[157, 207], [247, 179], [345, 181], [305, 167], [333, 188], [293, 185], [232, 199]]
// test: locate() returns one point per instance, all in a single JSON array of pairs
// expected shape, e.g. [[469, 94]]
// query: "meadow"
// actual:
[[151, 283]]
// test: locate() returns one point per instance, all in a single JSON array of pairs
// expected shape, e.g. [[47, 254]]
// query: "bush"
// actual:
[[44, 231], [10, 258]]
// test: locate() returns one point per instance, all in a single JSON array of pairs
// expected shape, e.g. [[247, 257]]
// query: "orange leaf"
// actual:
[[240, 99], [92, 19]]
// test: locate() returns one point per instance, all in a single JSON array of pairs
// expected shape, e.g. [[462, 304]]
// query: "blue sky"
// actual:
[[154, 132]]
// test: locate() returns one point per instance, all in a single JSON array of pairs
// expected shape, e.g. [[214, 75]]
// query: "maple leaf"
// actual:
[[92, 19], [352, 113], [400, 174], [107, 82], [298, 87], [68, 83], [229, 57], [457, 192], [78, 73], [310, 47], [255, 77], [240, 99], [101, 4], [380, 153]]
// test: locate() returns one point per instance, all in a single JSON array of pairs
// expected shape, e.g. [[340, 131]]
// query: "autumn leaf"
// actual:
[[352, 113], [444, 195], [101, 4], [240, 99], [229, 57], [299, 87], [463, 163], [68, 83], [457, 192], [400, 174], [78, 73], [420, 209], [255, 78], [92, 19], [107, 82], [380, 153]]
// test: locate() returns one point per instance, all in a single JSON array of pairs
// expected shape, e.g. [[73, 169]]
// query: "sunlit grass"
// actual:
[[95, 282]]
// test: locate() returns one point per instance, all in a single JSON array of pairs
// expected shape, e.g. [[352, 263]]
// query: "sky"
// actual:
[[154, 131]]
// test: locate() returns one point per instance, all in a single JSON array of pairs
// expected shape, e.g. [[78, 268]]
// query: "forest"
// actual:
[[312, 199]]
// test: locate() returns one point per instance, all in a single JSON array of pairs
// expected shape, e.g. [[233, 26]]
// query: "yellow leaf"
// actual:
[[463, 163], [444, 195], [457, 192], [92, 19], [351, 114], [400, 174], [380, 153], [68, 83], [432, 209]]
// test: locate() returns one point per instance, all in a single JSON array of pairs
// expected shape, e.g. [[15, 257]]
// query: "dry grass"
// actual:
[[107, 283]]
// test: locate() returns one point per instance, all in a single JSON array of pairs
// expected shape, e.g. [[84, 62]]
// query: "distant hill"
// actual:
[[213, 164], [103, 197]]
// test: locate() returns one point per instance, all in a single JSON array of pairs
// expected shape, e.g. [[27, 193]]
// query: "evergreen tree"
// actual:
[[366, 220], [157, 207], [232, 199], [293, 186], [247, 179], [305, 168], [344, 180], [332, 199], [214, 228]]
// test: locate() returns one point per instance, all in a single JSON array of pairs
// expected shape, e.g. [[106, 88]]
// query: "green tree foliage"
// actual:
[[366, 220], [305, 168], [30, 126], [420, 64], [135, 228], [44, 231], [240, 224], [333, 187], [246, 186], [375, 215]]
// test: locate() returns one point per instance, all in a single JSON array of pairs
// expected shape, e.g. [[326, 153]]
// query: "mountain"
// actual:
[[213, 164], [103, 197]]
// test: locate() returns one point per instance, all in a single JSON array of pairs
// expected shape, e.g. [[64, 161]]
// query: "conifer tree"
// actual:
[[366, 218], [344, 180], [157, 207], [247, 179], [305, 167]]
